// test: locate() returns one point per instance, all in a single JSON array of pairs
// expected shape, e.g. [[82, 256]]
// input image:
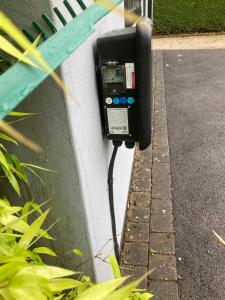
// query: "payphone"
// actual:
[[124, 68], [124, 71]]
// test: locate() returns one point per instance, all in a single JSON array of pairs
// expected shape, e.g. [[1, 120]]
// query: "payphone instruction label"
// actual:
[[118, 120], [130, 75]]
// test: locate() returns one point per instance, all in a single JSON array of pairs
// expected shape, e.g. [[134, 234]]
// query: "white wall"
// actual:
[[93, 153], [73, 145]]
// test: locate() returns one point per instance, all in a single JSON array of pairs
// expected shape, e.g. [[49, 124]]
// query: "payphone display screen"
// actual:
[[114, 75]]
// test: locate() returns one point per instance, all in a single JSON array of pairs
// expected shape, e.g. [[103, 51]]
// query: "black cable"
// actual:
[[116, 144]]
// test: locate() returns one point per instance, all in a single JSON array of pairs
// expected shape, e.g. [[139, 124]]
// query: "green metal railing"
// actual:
[[20, 80]]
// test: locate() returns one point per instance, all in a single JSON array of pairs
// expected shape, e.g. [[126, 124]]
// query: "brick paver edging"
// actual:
[[148, 240]]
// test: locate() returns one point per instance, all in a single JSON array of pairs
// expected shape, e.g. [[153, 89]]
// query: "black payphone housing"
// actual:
[[125, 75]]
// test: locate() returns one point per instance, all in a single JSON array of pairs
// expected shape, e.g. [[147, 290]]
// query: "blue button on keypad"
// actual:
[[130, 100], [116, 100], [123, 100]]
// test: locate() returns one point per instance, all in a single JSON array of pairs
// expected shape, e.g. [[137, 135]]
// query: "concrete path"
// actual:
[[195, 95]]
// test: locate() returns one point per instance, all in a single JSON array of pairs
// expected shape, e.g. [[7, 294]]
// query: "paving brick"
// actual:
[[161, 192], [145, 154], [126, 270], [135, 253], [159, 117], [162, 243], [141, 185], [163, 290], [161, 223], [161, 179], [138, 214], [160, 127], [147, 162], [135, 272], [138, 272], [140, 199], [161, 153], [161, 207], [160, 168], [161, 138], [142, 171], [165, 267], [161, 216], [137, 232]]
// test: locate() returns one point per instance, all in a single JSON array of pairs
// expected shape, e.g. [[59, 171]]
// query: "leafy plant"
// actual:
[[24, 275], [12, 169]]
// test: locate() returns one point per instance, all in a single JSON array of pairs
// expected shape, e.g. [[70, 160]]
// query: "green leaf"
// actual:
[[20, 170], [14, 223], [33, 293], [143, 296], [58, 285], [33, 172], [4, 203], [7, 259], [12, 180], [31, 232], [3, 147], [77, 252], [3, 161], [124, 292], [101, 291], [14, 220], [19, 114], [48, 272], [8, 269], [8, 138], [219, 238], [36, 167], [115, 267], [28, 205], [10, 210], [26, 281], [44, 250]]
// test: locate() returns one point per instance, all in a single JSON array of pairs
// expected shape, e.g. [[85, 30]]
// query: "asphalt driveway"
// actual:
[[195, 94]]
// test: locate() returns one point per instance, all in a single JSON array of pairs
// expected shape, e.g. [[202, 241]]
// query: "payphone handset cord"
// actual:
[[116, 145]]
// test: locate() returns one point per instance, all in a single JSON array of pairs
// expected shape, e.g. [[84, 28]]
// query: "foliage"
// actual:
[[175, 16], [12, 169], [23, 273]]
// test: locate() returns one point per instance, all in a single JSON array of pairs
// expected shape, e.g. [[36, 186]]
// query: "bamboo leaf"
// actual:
[[33, 293], [26, 281], [7, 128], [7, 138], [124, 292], [11, 223], [219, 238], [44, 250], [31, 233], [12, 180], [48, 272], [10, 268], [14, 223], [115, 267], [101, 291], [35, 174], [7, 47], [58, 285], [35, 167], [20, 114], [77, 252], [3, 161], [7, 26]]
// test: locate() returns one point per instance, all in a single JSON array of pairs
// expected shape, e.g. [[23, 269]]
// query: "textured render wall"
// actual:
[[73, 145]]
